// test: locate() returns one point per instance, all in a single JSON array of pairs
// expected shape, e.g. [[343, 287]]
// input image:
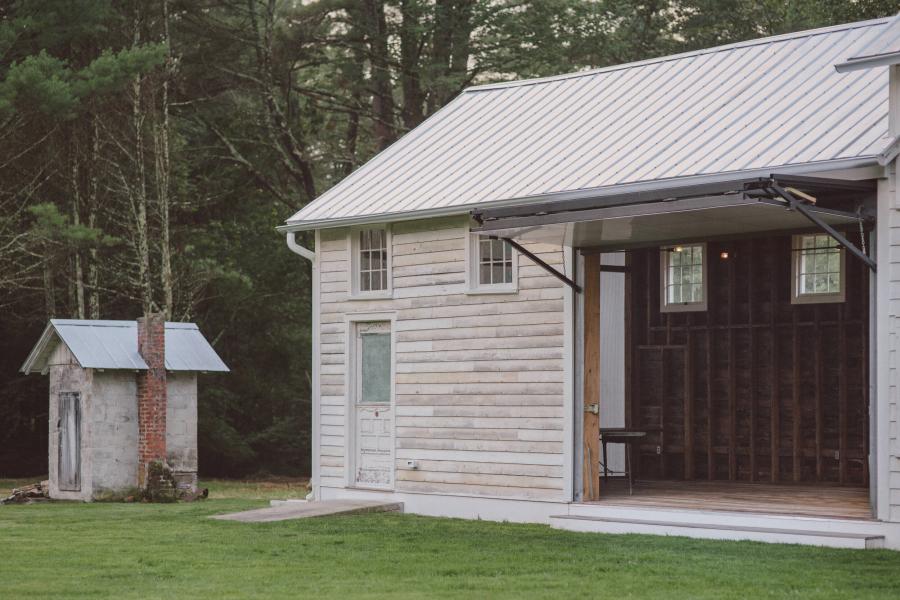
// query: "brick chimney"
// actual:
[[151, 393]]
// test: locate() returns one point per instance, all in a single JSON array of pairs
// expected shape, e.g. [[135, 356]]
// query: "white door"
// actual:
[[373, 407]]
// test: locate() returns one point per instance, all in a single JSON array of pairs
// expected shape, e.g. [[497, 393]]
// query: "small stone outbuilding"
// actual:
[[123, 394]]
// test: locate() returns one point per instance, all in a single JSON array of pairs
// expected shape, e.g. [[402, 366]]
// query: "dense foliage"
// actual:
[[149, 147]]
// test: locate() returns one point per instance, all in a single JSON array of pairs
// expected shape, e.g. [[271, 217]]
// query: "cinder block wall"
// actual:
[[114, 425], [181, 426]]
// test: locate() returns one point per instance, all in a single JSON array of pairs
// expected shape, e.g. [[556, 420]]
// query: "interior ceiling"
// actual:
[[681, 220]]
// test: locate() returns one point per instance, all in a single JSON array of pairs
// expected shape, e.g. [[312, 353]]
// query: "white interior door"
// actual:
[[69, 464], [373, 406], [612, 358]]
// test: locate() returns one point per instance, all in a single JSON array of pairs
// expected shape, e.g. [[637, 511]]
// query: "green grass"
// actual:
[[173, 550]]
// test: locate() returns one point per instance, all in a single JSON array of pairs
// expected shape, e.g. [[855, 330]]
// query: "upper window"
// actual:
[[817, 269], [492, 265], [371, 258], [683, 278]]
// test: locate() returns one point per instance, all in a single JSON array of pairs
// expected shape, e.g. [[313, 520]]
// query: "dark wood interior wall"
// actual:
[[755, 388]]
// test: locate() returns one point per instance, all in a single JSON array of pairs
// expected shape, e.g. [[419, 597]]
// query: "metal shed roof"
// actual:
[[755, 107], [113, 345], [879, 47]]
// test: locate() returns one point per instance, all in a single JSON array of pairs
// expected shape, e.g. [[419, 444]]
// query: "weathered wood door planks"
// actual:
[[69, 465]]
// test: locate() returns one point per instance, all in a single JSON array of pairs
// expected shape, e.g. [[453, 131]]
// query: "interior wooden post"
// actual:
[[591, 376]]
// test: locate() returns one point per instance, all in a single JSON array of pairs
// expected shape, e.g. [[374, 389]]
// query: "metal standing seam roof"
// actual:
[[881, 46], [772, 104], [113, 345]]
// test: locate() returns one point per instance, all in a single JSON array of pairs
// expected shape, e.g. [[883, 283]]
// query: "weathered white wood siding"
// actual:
[[888, 349], [479, 377]]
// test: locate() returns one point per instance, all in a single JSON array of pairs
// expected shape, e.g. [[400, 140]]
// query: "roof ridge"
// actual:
[[670, 57], [118, 323], [93, 322]]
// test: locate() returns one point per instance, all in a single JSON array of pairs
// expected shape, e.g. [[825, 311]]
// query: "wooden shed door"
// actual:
[[69, 427], [374, 421]]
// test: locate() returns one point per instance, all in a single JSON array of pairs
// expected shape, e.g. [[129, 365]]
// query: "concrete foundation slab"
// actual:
[[303, 510]]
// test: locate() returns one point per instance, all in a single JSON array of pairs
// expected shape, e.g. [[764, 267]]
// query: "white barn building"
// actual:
[[693, 259]]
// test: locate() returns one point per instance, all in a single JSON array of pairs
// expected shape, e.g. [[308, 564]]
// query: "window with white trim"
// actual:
[[817, 269], [683, 278], [371, 262], [493, 265]]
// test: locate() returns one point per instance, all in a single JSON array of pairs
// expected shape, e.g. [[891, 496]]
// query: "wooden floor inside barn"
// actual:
[[795, 500]]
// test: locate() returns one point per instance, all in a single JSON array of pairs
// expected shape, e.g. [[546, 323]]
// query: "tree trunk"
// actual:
[[92, 203], [451, 48], [290, 149], [410, 54], [141, 225], [382, 89], [163, 174], [49, 289], [441, 41], [78, 271]]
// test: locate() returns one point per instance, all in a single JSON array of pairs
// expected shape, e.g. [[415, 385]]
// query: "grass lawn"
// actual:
[[163, 551]]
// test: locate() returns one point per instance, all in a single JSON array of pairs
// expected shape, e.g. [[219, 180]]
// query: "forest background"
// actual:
[[148, 148]]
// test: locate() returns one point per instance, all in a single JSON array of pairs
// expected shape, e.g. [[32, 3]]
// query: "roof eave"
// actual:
[[868, 62], [39, 352], [656, 184], [373, 219]]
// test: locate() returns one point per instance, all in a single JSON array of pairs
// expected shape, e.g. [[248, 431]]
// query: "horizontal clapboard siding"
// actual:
[[479, 378], [891, 328]]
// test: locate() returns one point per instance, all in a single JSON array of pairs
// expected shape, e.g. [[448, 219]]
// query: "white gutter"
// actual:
[[315, 438], [889, 153]]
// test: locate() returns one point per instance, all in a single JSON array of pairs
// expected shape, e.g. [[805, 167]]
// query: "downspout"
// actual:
[[309, 255], [297, 248]]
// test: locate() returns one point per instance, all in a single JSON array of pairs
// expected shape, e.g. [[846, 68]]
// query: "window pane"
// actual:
[[807, 286], [697, 274], [372, 260], [497, 250], [819, 265], [497, 273], [494, 262], [484, 250], [684, 275], [376, 367]]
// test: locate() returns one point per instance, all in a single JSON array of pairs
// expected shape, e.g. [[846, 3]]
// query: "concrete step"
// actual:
[[303, 510], [711, 531]]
